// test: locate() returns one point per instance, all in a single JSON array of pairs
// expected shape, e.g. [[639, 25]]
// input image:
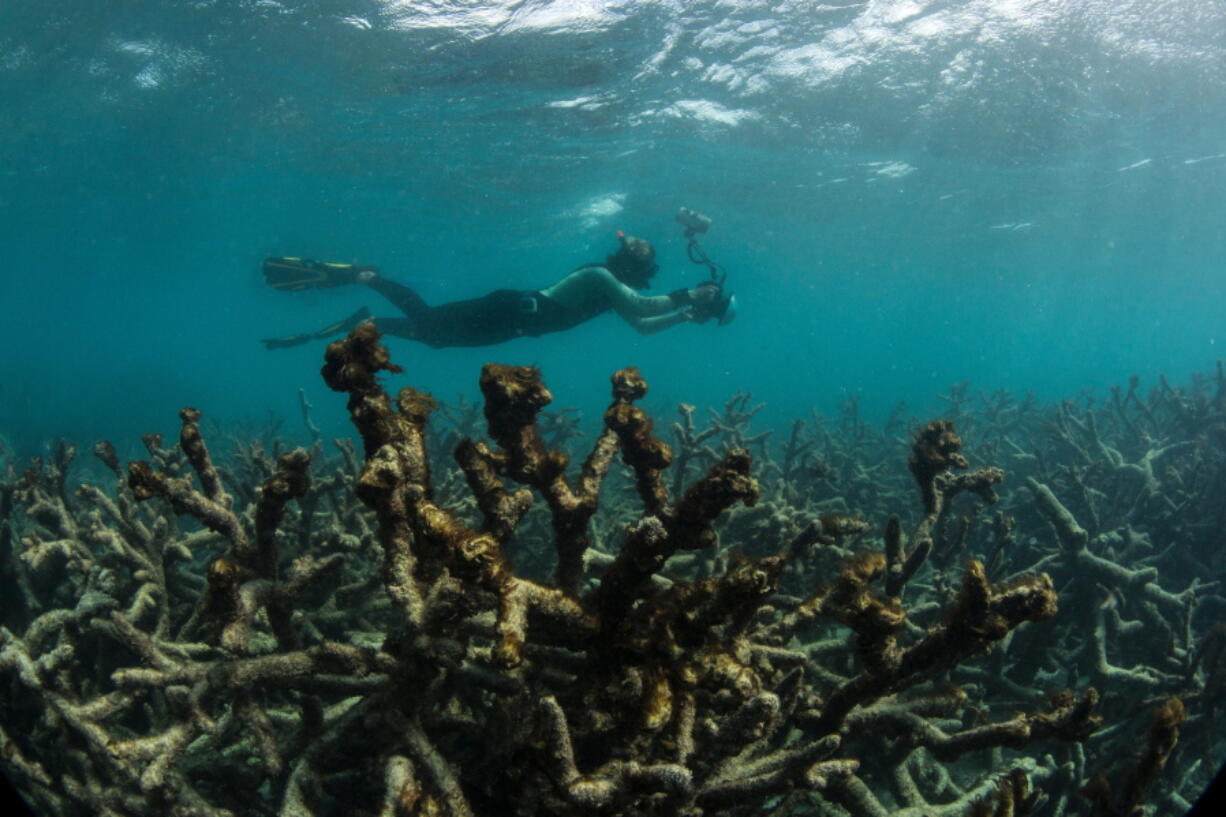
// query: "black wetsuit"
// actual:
[[500, 316]]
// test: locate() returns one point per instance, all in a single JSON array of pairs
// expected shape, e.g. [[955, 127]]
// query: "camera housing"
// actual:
[[692, 220]]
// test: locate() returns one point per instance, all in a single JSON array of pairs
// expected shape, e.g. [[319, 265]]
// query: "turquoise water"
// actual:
[[1025, 195]]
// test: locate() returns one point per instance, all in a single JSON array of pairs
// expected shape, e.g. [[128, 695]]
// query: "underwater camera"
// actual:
[[723, 309], [693, 221]]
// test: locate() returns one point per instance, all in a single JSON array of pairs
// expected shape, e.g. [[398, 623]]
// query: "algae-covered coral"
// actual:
[[849, 628]]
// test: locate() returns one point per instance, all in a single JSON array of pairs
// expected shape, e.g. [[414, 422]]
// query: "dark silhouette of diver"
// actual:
[[584, 293]]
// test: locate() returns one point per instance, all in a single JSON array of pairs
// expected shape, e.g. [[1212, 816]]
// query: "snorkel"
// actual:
[[724, 307]]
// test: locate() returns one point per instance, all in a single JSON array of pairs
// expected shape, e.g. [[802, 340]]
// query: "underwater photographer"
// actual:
[[504, 314]]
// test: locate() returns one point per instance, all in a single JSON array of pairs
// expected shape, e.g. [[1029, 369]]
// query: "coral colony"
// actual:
[[446, 626]]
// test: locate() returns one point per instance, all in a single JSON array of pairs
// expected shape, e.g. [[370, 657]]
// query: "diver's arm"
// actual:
[[647, 314], [682, 305], [649, 326], [634, 305], [630, 305], [595, 282]]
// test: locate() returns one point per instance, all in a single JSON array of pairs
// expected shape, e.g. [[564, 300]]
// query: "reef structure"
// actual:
[[385, 658]]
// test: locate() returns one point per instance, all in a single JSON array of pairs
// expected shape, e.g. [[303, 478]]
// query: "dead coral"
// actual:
[[275, 685]]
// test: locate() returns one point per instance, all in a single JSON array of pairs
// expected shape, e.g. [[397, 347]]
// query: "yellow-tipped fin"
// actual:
[[294, 274]]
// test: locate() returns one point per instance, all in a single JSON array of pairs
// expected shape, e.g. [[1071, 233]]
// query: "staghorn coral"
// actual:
[[389, 659]]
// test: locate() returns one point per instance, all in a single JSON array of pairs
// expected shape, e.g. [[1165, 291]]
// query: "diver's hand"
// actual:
[[367, 275], [705, 294], [688, 313]]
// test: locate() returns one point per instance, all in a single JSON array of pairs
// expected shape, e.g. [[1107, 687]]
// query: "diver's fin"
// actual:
[[338, 328], [294, 274]]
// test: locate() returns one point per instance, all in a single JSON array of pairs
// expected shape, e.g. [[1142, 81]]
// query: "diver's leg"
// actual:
[[409, 329], [483, 321], [400, 296], [475, 322], [338, 328]]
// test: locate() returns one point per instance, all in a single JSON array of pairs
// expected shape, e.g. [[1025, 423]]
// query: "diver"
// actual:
[[504, 314]]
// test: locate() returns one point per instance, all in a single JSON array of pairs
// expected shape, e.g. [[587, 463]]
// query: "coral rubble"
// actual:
[[291, 634]]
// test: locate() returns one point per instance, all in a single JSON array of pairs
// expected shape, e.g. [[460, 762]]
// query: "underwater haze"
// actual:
[[969, 560], [1027, 196]]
